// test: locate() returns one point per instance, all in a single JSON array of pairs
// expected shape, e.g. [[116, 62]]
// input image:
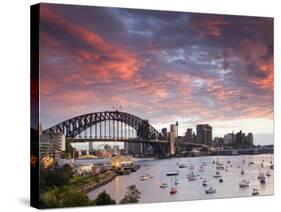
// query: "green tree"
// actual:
[[132, 195], [65, 196], [104, 199], [67, 154], [57, 177]]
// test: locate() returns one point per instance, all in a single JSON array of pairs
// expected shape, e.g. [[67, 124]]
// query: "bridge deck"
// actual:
[[131, 140]]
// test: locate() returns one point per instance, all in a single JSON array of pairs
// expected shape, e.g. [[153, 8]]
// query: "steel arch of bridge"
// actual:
[[74, 126]]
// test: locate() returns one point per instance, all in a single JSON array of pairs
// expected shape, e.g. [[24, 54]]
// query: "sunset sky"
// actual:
[[158, 65]]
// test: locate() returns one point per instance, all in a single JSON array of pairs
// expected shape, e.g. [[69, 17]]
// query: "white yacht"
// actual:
[[268, 173], [201, 169], [145, 177], [255, 192], [182, 165], [163, 185], [191, 176], [244, 183], [262, 177], [217, 175], [210, 190]]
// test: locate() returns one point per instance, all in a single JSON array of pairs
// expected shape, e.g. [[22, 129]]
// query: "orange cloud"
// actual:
[[101, 59], [209, 26], [256, 52], [267, 67]]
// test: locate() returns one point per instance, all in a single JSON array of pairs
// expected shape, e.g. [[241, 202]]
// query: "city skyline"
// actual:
[[164, 67]]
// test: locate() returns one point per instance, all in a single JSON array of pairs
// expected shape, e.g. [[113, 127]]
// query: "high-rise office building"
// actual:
[[204, 134], [173, 136], [164, 133], [189, 135], [250, 139], [240, 138], [229, 138]]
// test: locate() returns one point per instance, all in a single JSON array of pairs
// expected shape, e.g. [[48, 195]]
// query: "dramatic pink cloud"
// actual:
[[196, 68]]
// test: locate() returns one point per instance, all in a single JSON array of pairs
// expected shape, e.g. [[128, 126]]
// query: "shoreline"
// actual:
[[94, 185], [195, 156]]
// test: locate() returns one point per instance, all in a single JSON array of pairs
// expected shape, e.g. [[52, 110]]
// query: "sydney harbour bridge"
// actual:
[[112, 126]]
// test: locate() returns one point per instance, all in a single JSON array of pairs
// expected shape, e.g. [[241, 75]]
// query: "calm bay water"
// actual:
[[192, 190]]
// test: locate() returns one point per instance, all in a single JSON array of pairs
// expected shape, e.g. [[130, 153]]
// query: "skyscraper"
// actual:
[[240, 138], [229, 138], [204, 134], [164, 132], [189, 135], [173, 136], [250, 139]]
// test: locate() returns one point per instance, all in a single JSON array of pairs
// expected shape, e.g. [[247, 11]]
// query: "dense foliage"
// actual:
[[59, 188], [132, 195], [55, 177], [65, 196], [104, 199]]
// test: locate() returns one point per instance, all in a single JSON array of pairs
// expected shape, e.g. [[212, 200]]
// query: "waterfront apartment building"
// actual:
[[52, 145], [204, 134]]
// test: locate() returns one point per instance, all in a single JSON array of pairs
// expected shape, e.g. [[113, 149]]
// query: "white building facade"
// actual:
[[52, 145]]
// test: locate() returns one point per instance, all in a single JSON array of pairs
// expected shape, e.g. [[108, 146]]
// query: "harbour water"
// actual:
[[193, 190]]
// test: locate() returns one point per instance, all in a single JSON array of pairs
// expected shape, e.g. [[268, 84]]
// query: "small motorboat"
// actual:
[[145, 177], [220, 167], [210, 190], [255, 192], [201, 169], [173, 191], [268, 173], [262, 180], [163, 185], [244, 184], [219, 164], [192, 178], [182, 165], [217, 175], [261, 174]]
